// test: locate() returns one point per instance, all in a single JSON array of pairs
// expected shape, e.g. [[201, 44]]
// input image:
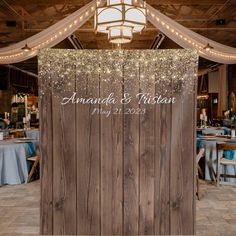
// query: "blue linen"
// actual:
[[213, 131], [13, 160], [199, 141], [13, 164], [230, 153], [211, 162], [34, 134], [227, 131], [31, 149]]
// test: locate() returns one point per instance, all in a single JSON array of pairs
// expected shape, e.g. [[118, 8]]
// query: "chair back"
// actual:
[[20, 134], [225, 146], [200, 155]]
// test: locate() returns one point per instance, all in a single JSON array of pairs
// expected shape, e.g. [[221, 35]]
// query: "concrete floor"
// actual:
[[19, 210], [216, 211]]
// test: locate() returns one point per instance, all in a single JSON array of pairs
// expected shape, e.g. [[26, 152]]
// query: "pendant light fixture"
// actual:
[[208, 47], [26, 48], [120, 19]]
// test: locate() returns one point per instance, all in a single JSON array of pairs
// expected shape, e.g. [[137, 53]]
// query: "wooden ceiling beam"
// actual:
[[198, 15], [24, 13], [215, 12], [184, 2], [49, 2]]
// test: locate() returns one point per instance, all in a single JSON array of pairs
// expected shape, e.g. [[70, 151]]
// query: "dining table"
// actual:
[[214, 130], [32, 133], [209, 144], [13, 160]]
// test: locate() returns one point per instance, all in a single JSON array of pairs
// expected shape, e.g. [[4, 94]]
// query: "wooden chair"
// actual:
[[20, 134], [8, 136], [210, 134], [36, 162], [224, 161], [199, 156]]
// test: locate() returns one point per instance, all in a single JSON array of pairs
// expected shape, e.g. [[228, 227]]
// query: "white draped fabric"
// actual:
[[61, 30], [48, 37], [186, 38]]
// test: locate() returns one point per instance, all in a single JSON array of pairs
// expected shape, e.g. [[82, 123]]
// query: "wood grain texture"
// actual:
[[188, 164], [46, 170], [111, 159], [131, 154], [162, 169], [20, 214], [122, 173], [182, 172], [146, 163], [64, 160], [88, 156]]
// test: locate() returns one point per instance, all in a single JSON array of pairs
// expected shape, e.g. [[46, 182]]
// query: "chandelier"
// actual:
[[120, 19]]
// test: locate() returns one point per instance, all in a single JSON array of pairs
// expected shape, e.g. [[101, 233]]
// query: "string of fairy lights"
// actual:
[[203, 49], [171, 71], [29, 48]]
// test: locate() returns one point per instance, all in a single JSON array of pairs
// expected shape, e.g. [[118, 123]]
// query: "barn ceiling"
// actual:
[[215, 19]]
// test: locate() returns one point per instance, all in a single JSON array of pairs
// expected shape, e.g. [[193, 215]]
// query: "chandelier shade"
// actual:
[[120, 34], [120, 19]]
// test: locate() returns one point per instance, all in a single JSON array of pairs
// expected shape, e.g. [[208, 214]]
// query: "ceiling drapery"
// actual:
[[187, 38], [48, 37], [51, 36]]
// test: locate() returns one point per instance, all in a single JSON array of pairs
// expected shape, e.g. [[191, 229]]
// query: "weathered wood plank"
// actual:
[[64, 156], [111, 156], [131, 151], [88, 154], [121, 174], [189, 194], [46, 167], [162, 168], [146, 184], [182, 195]]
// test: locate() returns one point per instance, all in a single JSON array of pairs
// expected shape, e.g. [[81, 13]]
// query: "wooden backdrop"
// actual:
[[126, 174]]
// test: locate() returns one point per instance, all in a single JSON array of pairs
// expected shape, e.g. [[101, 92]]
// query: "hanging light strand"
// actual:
[[56, 33], [208, 51], [30, 49]]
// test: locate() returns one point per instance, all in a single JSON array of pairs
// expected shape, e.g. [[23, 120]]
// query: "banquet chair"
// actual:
[[36, 163], [199, 156], [223, 161]]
